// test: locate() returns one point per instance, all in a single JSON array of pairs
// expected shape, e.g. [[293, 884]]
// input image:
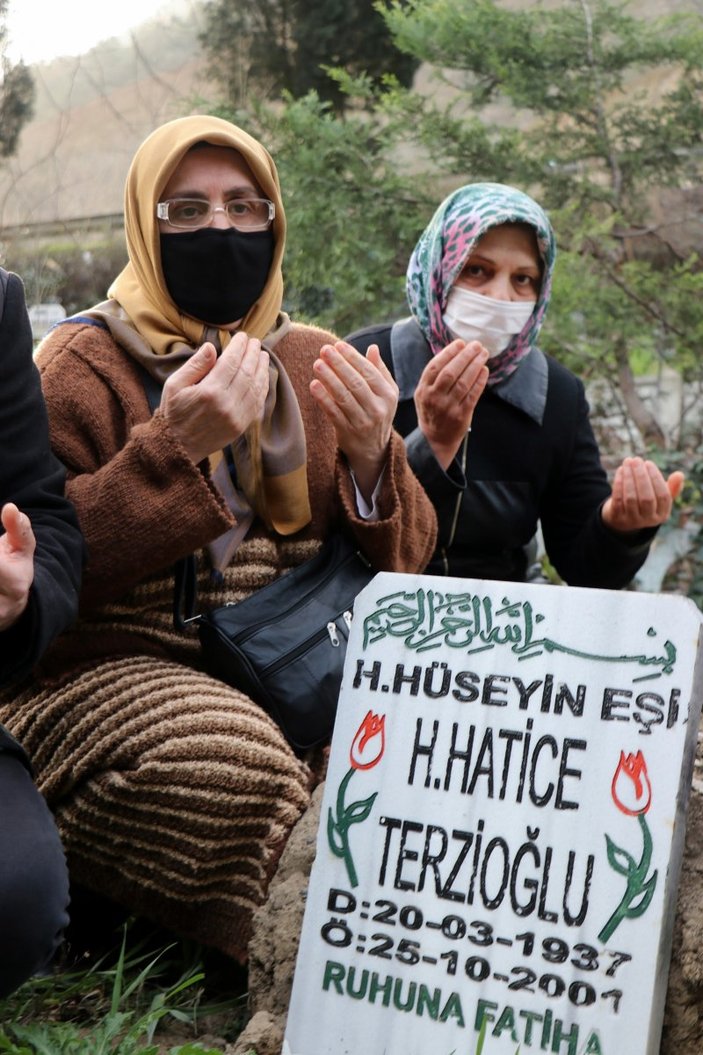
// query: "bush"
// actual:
[[72, 274]]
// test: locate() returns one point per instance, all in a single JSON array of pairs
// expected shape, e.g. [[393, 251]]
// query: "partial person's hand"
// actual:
[[17, 547], [359, 396], [446, 396], [641, 497], [210, 402]]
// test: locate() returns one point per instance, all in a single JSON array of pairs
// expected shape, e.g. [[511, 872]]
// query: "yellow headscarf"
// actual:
[[270, 459]]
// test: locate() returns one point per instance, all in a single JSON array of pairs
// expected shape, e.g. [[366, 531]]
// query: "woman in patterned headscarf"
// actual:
[[174, 792], [498, 432]]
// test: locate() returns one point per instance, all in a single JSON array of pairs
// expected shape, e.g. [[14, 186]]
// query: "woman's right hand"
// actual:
[[210, 402], [446, 396], [17, 546]]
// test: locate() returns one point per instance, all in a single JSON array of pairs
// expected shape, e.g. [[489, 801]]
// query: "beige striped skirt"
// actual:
[[174, 793]]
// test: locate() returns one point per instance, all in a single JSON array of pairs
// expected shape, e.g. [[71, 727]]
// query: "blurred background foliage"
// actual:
[[378, 109]]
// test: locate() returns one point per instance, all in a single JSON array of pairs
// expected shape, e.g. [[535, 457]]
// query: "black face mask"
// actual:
[[216, 275]]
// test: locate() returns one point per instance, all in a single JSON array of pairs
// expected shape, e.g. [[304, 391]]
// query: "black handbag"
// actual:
[[284, 646]]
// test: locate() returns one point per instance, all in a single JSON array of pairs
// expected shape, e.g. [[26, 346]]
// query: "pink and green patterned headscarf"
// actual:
[[449, 238]]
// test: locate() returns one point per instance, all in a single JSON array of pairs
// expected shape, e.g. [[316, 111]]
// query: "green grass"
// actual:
[[142, 997], [482, 1038], [133, 1001]]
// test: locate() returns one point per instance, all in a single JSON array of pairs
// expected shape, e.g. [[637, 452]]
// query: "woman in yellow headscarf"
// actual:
[[174, 792]]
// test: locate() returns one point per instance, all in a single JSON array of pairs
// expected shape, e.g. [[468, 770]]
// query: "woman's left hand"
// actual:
[[359, 396], [641, 496]]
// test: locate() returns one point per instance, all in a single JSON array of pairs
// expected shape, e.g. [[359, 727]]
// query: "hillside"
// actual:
[[92, 112]]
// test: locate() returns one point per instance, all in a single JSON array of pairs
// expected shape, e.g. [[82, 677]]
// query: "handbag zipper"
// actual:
[[253, 627], [299, 649], [332, 628]]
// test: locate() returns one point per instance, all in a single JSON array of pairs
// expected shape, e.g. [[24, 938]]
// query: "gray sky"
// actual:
[[39, 31]]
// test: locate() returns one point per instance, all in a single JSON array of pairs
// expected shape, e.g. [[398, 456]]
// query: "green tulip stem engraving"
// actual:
[[640, 890], [338, 826]]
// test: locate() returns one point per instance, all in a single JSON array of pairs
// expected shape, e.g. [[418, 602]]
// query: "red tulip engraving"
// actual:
[[369, 743], [631, 790]]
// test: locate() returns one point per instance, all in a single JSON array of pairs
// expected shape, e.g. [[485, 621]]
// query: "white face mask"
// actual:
[[475, 317]]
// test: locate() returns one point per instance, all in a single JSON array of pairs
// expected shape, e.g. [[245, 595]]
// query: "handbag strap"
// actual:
[[186, 582], [185, 592]]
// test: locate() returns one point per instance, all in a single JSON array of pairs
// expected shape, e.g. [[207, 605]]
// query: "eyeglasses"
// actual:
[[245, 214]]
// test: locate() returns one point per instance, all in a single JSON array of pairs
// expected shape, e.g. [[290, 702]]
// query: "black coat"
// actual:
[[32, 478], [531, 457]]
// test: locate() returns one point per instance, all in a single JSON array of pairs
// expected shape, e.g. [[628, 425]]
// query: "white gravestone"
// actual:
[[502, 824]]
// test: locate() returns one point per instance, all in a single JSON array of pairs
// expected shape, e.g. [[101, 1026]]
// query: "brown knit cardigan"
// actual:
[[142, 503], [174, 793]]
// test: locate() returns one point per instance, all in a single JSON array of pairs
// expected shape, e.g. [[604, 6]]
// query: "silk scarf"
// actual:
[[443, 248]]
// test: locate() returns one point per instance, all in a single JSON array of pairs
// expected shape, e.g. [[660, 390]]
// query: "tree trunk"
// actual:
[[644, 420]]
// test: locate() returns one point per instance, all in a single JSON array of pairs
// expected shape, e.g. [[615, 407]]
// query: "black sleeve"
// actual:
[[33, 479], [583, 550]]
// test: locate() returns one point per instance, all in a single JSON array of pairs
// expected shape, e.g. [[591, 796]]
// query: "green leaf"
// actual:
[[359, 811], [619, 859], [640, 903], [334, 837]]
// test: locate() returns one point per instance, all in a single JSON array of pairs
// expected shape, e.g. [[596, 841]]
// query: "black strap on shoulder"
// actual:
[[152, 389], [185, 570]]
